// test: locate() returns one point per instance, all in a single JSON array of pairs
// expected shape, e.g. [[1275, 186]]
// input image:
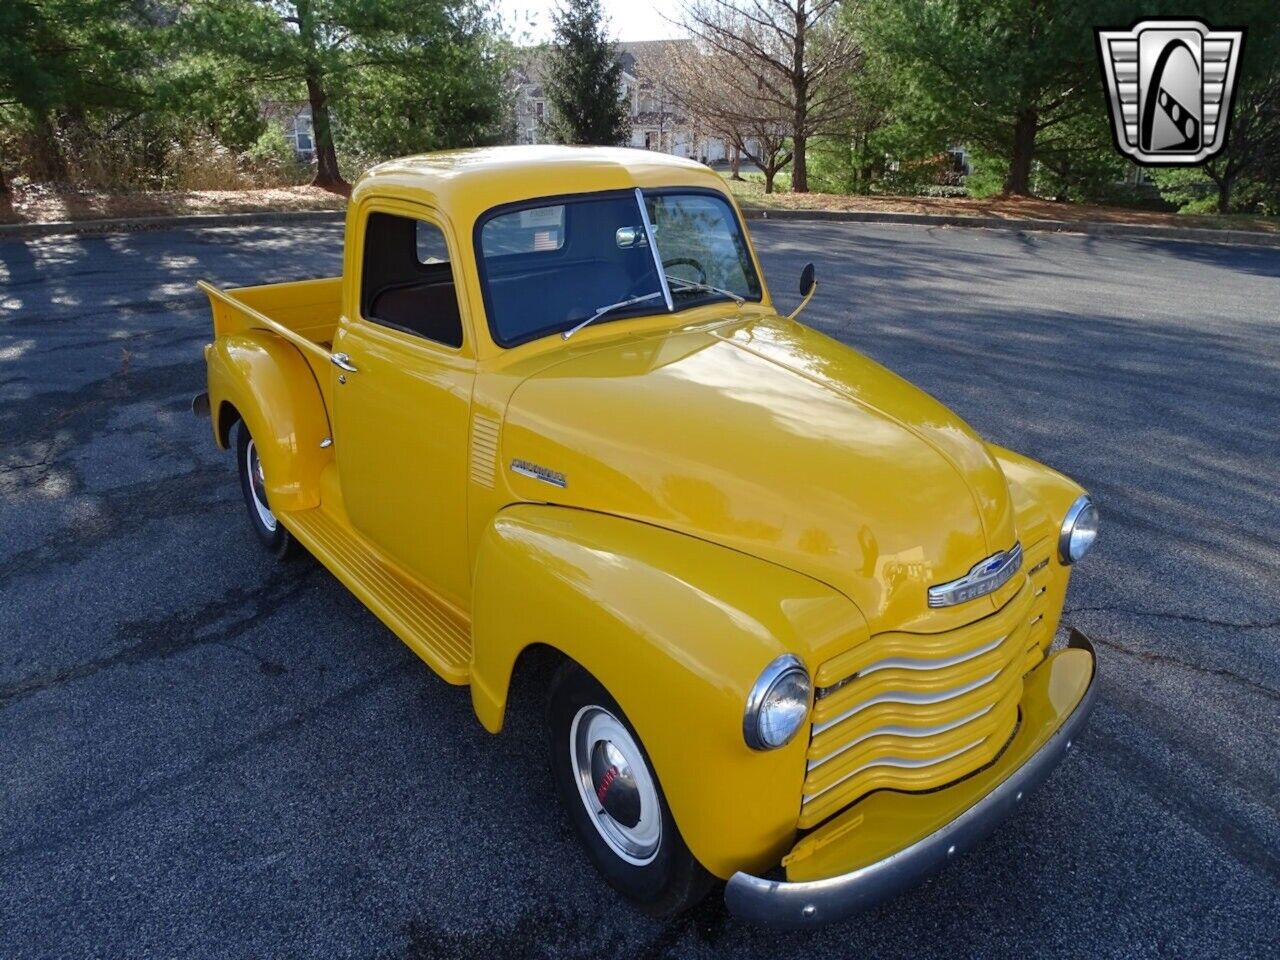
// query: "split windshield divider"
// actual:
[[653, 245]]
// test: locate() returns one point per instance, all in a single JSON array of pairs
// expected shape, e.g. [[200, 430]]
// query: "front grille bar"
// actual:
[[900, 731], [909, 763], [907, 697]]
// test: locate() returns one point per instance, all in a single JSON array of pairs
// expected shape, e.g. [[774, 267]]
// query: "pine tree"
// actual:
[[583, 79]]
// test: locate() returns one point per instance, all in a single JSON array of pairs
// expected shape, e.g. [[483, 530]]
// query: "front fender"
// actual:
[[1041, 497], [678, 630], [274, 390]]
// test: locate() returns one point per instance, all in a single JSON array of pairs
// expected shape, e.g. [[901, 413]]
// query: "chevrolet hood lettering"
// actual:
[[769, 438], [987, 576]]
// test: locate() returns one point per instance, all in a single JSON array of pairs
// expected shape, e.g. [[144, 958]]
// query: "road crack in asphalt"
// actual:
[[73, 831], [1184, 617], [16, 467], [83, 411], [1199, 813], [120, 511], [218, 623], [1147, 656]]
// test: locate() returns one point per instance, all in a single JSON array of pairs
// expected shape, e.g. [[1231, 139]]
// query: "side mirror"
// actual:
[[806, 280], [628, 237], [807, 286]]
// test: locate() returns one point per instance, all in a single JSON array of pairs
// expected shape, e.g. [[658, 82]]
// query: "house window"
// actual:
[[303, 136], [538, 109]]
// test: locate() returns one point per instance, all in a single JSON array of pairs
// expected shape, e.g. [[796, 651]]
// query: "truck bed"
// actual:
[[304, 312], [309, 308]]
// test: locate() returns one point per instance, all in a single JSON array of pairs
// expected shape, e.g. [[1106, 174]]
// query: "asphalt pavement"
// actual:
[[207, 754]]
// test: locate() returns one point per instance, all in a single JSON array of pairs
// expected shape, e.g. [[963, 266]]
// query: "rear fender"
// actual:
[[678, 630], [273, 389]]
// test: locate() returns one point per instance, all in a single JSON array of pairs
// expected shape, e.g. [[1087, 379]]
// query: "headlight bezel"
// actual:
[[1082, 505], [780, 669]]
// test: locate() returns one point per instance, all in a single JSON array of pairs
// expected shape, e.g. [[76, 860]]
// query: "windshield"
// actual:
[[548, 268]]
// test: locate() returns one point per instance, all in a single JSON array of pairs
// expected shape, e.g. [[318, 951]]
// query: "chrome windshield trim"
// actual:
[[986, 576], [653, 247]]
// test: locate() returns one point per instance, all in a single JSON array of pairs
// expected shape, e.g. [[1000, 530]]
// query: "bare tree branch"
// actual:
[[775, 69]]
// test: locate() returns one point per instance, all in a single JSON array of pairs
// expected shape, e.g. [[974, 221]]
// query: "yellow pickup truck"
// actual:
[[802, 613]]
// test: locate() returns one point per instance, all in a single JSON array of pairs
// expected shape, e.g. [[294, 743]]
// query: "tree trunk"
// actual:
[[799, 164], [735, 164], [1224, 193], [327, 174], [1018, 181], [769, 174], [800, 99], [52, 161]]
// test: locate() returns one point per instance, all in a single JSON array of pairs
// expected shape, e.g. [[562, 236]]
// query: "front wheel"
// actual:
[[253, 484], [613, 797]]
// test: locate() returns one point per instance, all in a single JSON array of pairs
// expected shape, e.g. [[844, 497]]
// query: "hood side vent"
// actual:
[[484, 450]]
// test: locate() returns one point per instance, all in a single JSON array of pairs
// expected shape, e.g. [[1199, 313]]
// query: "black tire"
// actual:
[[278, 541], [669, 883]]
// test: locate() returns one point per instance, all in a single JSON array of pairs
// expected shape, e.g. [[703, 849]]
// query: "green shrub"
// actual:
[[271, 147], [1187, 188]]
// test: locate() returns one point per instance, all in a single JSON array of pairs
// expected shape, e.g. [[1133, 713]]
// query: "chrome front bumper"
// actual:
[[779, 903]]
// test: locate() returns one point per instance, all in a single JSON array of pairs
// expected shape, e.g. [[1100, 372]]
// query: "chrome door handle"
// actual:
[[342, 361]]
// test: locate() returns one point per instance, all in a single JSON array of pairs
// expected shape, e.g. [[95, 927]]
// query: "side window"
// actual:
[[431, 245], [407, 279]]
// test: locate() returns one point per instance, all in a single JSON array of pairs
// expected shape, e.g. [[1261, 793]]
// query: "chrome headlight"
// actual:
[[1079, 530], [778, 704]]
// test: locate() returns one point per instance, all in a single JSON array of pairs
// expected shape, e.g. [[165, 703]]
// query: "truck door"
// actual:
[[401, 396]]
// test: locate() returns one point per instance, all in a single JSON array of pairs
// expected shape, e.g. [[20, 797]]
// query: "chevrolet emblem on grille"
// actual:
[[987, 576]]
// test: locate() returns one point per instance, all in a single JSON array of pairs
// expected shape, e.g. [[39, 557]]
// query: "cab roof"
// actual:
[[463, 184]]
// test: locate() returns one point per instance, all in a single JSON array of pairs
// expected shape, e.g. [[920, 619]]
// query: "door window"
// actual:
[[407, 279]]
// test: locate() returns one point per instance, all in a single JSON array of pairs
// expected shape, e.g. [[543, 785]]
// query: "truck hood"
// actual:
[[772, 439]]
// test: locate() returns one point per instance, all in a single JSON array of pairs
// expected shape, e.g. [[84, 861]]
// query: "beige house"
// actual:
[[656, 122], [293, 117]]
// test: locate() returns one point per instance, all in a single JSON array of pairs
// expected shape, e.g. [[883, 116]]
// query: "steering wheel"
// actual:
[[687, 262]]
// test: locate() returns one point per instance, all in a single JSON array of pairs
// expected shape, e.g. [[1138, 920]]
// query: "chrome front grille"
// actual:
[[915, 711]]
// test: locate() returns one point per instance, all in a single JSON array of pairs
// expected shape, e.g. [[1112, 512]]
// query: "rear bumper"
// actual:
[[816, 902]]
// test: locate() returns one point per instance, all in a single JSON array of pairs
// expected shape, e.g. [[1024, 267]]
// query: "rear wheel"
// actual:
[[612, 795], [253, 484]]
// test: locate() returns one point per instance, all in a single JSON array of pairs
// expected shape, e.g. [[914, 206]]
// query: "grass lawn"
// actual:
[[750, 193]]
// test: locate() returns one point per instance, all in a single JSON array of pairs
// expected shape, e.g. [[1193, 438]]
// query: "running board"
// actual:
[[427, 627]]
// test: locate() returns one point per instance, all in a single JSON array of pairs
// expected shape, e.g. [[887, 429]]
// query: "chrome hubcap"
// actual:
[[615, 785], [258, 487]]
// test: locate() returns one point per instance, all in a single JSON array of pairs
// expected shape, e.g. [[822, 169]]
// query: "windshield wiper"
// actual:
[[705, 288], [609, 308]]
